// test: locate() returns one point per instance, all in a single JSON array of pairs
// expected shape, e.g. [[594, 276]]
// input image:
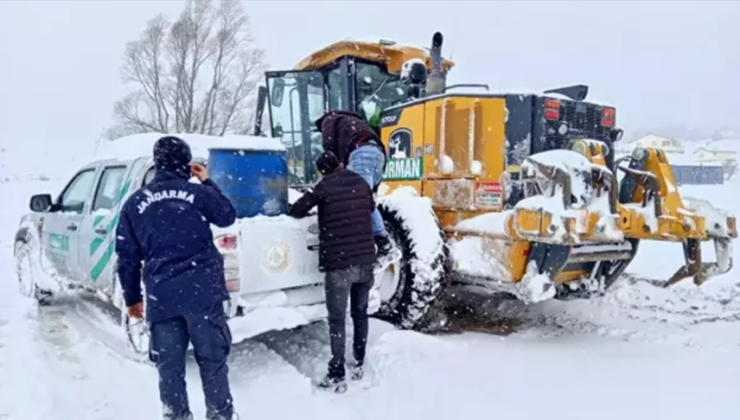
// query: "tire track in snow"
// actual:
[[255, 370], [633, 309], [305, 348]]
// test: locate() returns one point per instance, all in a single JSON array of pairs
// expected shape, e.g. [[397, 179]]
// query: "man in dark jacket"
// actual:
[[346, 255], [358, 147], [166, 225]]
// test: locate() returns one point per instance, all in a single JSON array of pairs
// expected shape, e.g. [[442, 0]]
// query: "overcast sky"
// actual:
[[659, 63]]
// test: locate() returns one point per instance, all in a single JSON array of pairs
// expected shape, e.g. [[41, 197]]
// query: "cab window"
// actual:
[[74, 196], [109, 188], [374, 86], [338, 82], [297, 100]]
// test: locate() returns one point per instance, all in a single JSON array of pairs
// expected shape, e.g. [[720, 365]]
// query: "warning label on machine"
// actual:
[[489, 194]]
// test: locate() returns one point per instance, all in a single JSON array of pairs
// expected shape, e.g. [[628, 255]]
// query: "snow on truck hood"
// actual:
[[139, 145]]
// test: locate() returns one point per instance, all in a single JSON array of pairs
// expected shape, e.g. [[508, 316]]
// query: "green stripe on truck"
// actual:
[[95, 244], [103, 262]]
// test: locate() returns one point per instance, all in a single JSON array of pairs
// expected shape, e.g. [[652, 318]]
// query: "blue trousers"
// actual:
[[211, 338], [367, 161]]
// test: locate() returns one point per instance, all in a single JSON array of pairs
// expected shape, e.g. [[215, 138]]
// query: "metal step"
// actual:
[[600, 252]]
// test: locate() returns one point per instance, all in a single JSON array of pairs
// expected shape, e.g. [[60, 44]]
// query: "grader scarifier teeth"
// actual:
[[702, 271], [694, 266]]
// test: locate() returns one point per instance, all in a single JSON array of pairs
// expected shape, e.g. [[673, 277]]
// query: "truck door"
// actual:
[[62, 224], [97, 232], [297, 99]]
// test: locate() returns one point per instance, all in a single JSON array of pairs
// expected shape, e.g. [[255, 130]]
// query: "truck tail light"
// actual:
[[227, 245], [608, 117], [231, 272], [226, 242]]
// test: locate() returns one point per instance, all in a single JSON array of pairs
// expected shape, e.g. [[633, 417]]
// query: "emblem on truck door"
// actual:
[[276, 257]]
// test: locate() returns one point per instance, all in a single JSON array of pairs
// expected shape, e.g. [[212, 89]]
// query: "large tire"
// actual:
[[420, 280], [26, 263]]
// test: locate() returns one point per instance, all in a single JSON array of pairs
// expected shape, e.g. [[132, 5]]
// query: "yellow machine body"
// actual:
[[459, 151]]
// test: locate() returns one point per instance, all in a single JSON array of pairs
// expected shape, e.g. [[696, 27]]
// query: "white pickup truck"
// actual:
[[68, 242]]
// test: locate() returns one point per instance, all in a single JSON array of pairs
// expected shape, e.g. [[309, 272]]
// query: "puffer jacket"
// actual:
[[345, 203]]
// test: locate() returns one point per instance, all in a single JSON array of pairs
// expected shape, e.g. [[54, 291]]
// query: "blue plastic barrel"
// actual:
[[256, 181]]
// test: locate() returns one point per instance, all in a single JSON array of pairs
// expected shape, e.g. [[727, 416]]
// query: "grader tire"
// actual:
[[420, 282]]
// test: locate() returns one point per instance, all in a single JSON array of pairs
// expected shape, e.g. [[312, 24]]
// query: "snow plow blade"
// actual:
[[653, 209]]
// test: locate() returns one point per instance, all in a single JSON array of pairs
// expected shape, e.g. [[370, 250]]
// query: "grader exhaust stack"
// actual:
[[437, 78]]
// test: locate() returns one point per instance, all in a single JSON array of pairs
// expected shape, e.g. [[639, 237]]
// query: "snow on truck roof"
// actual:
[[141, 145]]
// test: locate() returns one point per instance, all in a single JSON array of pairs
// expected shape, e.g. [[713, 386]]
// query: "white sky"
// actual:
[[658, 62]]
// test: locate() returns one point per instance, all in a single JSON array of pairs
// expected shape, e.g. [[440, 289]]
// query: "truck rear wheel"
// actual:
[[26, 260], [409, 287]]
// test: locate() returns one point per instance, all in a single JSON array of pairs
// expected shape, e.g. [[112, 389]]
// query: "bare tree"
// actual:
[[198, 74]]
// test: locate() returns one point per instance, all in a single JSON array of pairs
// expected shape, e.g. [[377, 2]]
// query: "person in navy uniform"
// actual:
[[166, 226]]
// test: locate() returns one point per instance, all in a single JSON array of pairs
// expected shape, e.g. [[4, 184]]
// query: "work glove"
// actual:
[[136, 311]]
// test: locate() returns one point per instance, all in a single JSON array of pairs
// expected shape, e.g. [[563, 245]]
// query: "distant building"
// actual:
[[711, 154], [668, 145]]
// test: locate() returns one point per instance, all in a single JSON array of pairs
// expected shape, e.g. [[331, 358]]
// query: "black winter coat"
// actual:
[[345, 231], [343, 131]]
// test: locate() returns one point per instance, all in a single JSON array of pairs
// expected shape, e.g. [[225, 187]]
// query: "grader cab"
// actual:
[[524, 187]]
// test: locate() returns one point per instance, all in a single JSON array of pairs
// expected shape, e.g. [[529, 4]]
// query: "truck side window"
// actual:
[[74, 196], [149, 175], [109, 188]]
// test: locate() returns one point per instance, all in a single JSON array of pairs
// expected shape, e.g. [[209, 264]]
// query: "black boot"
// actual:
[[356, 370], [332, 384]]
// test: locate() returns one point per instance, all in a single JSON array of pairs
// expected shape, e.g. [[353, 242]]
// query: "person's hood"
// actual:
[[336, 114], [172, 155]]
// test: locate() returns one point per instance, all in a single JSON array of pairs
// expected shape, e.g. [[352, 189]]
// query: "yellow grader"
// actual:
[[518, 193]]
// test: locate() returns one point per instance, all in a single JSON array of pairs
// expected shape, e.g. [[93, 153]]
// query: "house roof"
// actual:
[[714, 151], [653, 136], [687, 160], [723, 145]]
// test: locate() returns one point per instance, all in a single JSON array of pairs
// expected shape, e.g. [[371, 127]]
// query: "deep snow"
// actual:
[[638, 353]]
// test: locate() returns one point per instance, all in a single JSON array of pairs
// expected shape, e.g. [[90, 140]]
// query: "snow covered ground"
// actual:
[[638, 353]]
